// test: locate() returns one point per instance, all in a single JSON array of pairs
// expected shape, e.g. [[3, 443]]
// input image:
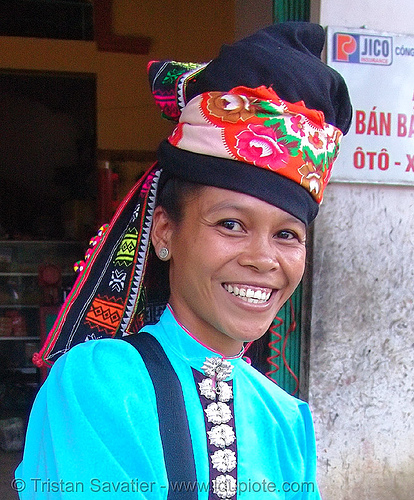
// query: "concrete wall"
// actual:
[[362, 357]]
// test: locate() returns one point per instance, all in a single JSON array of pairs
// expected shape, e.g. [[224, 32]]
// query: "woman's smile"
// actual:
[[248, 293]]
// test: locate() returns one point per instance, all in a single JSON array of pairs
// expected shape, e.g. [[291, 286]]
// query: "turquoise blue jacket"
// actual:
[[93, 431]]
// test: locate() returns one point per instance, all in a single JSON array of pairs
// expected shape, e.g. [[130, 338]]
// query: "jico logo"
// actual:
[[362, 49]]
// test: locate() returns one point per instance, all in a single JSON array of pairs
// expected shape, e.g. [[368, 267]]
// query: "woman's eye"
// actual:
[[231, 225], [287, 235]]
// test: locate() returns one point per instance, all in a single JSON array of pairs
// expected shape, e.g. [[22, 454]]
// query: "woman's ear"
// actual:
[[162, 228]]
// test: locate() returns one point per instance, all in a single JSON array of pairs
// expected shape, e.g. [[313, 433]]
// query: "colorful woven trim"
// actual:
[[169, 80], [108, 295], [256, 127]]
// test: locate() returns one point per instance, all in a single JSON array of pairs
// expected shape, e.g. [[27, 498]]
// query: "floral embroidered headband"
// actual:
[[254, 127]]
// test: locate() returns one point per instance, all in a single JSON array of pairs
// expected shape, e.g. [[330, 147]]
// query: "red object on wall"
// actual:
[[50, 281], [108, 184]]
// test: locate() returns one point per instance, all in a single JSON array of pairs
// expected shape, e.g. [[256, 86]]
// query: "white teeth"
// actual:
[[248, 295]]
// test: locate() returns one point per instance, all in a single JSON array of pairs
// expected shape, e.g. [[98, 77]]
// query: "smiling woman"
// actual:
[[226, 208], [228, 248]]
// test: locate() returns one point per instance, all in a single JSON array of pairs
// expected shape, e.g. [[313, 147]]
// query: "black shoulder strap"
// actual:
[[174, 429]]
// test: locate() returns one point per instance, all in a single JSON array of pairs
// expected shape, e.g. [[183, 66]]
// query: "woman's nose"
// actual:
[[260, 255]]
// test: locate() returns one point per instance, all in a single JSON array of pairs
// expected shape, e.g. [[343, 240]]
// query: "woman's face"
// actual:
[[234, 261]]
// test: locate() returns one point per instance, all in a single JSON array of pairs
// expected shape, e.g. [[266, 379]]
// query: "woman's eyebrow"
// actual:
[[227, 206], [287, 218]]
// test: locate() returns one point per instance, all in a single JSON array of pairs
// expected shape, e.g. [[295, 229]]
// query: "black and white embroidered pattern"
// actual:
[[216, 397]]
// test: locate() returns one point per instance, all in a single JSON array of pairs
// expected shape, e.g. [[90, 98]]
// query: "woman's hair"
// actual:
[[173, 196]]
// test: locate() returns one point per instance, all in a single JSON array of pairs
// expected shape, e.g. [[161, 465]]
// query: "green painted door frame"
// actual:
[[291, 10], [284, 338]]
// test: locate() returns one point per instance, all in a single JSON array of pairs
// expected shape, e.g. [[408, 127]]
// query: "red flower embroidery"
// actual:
[[259, 145], [315, 141], [297, 125]]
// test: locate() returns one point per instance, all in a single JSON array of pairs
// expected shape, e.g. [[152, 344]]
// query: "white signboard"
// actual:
[[379, 71]]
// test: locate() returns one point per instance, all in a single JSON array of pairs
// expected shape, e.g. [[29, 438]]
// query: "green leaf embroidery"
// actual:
[[319, 160], [268, 110]]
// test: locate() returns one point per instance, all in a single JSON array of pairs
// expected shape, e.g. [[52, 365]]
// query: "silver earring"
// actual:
[[163, 253]]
